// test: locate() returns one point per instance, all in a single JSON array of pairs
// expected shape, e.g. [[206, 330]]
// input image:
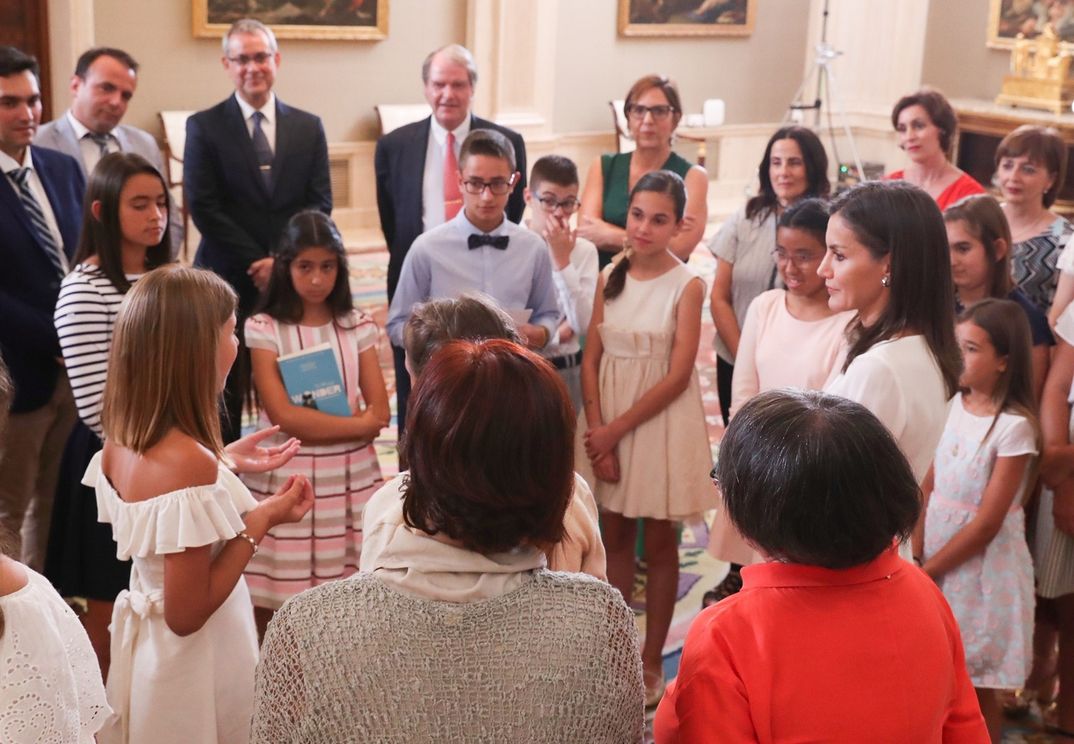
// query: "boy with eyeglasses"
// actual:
[[481, 250], [552, 197]]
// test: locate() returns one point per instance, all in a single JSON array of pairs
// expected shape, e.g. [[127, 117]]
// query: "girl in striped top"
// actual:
[[308, 303], [124, 234]]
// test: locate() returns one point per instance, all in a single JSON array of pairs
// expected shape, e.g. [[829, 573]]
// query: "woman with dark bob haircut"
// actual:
[[456, 631], [818, 485], [926, 126]]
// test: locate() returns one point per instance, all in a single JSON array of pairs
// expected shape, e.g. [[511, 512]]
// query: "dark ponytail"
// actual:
[[659, 182]]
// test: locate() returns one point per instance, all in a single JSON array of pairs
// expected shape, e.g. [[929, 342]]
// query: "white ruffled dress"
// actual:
[[165, 688]]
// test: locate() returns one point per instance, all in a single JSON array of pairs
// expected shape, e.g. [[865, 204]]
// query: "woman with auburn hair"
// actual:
[[184, 645], [888, 261], [926, 126], [459, 631], [653, 110], [794, 166], [1031, 164]]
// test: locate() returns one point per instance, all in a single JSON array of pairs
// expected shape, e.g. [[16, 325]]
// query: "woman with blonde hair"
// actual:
[[184, 646]]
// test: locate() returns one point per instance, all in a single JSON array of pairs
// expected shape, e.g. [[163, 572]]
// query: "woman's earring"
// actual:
[[885, 280]]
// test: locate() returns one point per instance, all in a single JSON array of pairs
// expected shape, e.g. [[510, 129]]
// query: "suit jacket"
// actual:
[[400, 167], [239, 218], [58, 134], [29, 286]]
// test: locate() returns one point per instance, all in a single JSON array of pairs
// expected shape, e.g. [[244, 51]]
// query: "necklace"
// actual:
[[1032, 230]]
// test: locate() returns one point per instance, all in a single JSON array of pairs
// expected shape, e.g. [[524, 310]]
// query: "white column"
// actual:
[[71, 32], [514, 45]]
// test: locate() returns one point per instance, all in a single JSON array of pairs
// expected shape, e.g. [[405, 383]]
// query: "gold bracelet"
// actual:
[[247, 538]]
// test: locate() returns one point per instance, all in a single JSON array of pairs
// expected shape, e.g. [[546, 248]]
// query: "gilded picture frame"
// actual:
[[359, 20], [1008, 18], [668, 18]]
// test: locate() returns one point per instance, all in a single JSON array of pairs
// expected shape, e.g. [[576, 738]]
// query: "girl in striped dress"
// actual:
[[124, 234], [309, 303]]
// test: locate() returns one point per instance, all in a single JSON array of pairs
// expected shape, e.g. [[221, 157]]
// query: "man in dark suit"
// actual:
[[417, 186], [40, 214], [250, 164]]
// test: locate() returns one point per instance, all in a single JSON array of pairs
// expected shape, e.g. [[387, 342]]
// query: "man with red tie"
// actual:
[[417, 166]]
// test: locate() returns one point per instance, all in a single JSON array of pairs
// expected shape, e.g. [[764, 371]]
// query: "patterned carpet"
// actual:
[[698, 571]]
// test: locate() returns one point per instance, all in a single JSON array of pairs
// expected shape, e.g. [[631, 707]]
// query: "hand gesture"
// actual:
[[535, 336], [607, 468], [260, 271], [290, 502], [600, 441], [249, 457], [560, 238]]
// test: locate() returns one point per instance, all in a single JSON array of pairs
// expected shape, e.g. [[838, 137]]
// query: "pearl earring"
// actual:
[[885, 281]]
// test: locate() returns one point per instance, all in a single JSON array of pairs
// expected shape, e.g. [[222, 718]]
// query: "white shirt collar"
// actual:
[[440, 134], [468, 228], [81, 130], [268, 110], [8, 163]]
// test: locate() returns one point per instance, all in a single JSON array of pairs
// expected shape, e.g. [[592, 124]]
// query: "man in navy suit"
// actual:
[[250, 164], [417, 185], [40, 214]]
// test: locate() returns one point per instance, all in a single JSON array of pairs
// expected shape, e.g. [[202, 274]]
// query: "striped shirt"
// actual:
[[85, 315]]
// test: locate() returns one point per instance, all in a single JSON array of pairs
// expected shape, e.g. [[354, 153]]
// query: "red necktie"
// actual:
[[452, 195]]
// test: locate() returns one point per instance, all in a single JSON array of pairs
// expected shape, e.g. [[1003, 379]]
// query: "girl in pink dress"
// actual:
[[308, 304], [975, 546]]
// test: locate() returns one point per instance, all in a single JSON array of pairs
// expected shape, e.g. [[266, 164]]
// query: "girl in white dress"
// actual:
[[975, 536], [50, 684], [642, 441], [184, 646]]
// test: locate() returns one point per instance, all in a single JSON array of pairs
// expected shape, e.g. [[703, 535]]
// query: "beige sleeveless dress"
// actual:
[[664, 463]]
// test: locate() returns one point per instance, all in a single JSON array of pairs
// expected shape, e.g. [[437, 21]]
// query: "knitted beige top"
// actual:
[[554, 660]]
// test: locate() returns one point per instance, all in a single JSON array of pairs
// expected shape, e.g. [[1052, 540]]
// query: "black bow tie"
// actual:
[[499, 242]]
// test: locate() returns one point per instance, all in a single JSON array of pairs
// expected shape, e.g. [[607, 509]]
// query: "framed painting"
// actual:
[[686, 17], [364, 20], [1008, 18]]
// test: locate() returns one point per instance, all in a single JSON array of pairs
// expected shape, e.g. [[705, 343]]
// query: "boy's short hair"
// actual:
[[554, 169], [487, 142], [472, 317]]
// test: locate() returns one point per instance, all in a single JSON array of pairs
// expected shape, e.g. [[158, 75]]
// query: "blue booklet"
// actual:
[[312, 379]]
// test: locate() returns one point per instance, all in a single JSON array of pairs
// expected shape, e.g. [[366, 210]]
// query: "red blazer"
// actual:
[[867, 654]]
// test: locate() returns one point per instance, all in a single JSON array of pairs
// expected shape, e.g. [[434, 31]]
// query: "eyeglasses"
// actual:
[[244, 59], [568, 205], [635, 111], [497, 186], [800, 259]]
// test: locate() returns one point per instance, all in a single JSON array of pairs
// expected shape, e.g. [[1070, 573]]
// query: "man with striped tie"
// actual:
[[40, 212]]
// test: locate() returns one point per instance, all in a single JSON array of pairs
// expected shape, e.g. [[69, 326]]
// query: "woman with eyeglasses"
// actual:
[[794, 167], [653, 110], [780, 322]]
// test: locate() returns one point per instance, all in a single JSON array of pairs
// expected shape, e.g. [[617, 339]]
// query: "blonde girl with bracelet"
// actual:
[[184, 646]]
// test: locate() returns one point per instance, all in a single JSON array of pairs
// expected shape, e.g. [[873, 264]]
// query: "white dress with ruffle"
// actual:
[[166, 688]]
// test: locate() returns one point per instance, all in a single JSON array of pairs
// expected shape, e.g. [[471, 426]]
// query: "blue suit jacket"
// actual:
[[241, 220], [400, 167], [29, 285]]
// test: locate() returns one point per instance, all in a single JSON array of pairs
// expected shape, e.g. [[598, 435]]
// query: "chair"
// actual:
[[174, 124], [392, 116], [623, 142]]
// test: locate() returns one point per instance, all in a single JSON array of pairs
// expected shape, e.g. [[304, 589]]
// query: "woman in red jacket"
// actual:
[[836, 638]]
